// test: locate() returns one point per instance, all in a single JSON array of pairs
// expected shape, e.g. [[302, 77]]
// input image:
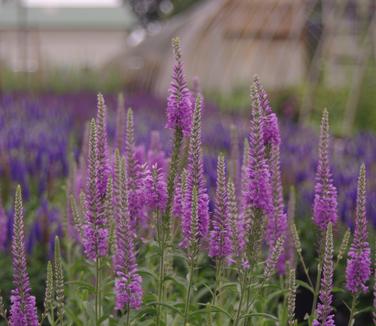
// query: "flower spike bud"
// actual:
[[259, 193], [23, 309], [179, 105], [49, 292], [220, 235], [344, 245], [59, 282], [128, 289], [324, 315], [195, 178], [271, 133], [358, 269], [271, 262], [120, 123], [95, 232], [236, 223], [291, 297], [135, 179], [325, 200]]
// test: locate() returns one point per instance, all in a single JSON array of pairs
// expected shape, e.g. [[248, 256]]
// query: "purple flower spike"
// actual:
[[136, 176], [271, 132], [155, 189], [258, 195], [358, 269], [95, 232], [220, 235], [121, 122], [179, 104], [128, 287], [195, 179], [277, 223], [103, 168], [23, 308], [325, 202], [324, 308], [237, 225]]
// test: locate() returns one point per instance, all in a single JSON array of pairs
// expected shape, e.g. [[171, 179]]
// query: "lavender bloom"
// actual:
[[271, 132], [95, 233], [277, 223], [358, 267], [155, 189], [23, 310], [325, 202], [103, 169], [236, 223], [324, 309], [195, 179], [135, 177], [128, 289], [102, 172], [121, 121], [220, 235], [179, 105], [258, 195]]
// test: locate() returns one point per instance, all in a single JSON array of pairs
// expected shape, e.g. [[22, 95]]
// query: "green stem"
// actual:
[[242, 286], [160, 282], [352, 311], [218, 274], [97, 291], [188, 298], [127, 323], [305, 269], [165, 227], [317, 289], [217, 285]]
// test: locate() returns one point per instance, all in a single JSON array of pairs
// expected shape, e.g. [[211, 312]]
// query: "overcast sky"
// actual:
[[72, 3]]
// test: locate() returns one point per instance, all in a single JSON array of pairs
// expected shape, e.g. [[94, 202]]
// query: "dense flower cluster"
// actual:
[[324, 309], [179, 103], [358, 269], [126, 200], [325, 202]]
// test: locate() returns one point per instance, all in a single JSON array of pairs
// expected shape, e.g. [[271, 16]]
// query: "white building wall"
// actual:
[[43, 49]]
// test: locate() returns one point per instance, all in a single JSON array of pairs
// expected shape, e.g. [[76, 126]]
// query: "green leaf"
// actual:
[[167, 305], [368, 309], [220, 309], [145, 272], [82, 285], [227, 285], [305, 285], [260, 314]]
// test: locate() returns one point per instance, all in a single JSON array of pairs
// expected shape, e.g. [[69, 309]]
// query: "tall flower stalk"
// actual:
[[325, 200], [58, 282], [324, 309], [23, 309], [358, 268], [193, 250], [220, 246], [179, 119], [128, 289]]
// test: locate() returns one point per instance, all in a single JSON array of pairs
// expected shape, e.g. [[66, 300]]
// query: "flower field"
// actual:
[[132, 210]]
